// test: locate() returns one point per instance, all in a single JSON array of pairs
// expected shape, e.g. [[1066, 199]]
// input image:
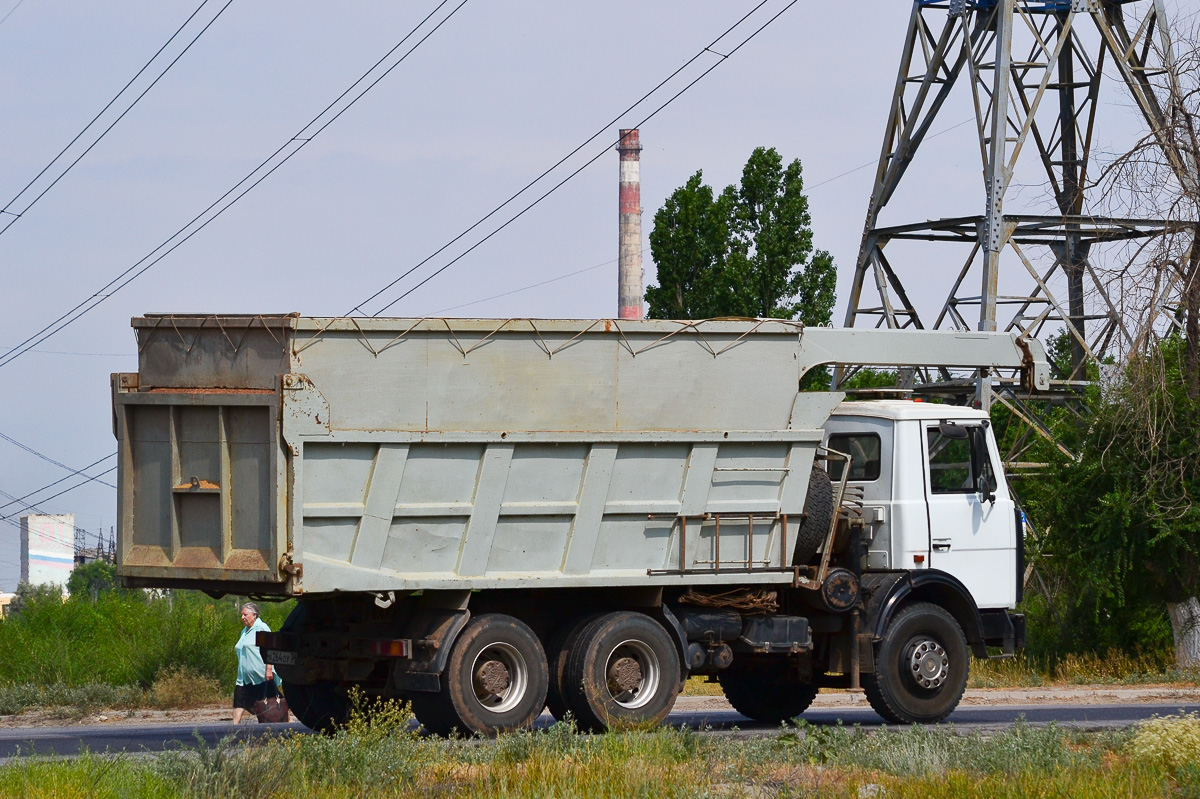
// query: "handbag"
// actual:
[[271, 709]]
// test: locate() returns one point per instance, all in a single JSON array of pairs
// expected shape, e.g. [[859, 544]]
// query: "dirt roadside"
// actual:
[[1060, 695]]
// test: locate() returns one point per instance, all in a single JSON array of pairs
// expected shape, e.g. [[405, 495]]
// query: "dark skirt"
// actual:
[[244, 696]]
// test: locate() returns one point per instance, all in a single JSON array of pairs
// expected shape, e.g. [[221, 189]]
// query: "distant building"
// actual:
[[47, 549], [10, 556]]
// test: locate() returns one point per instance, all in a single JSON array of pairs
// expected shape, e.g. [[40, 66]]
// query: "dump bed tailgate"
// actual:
[[202, 484]]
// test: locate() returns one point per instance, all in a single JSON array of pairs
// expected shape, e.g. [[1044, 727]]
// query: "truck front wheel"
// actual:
[[495, 680], [621, 669], [921, 668]]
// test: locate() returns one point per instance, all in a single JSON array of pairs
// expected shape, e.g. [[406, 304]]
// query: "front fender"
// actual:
[[888, 592]]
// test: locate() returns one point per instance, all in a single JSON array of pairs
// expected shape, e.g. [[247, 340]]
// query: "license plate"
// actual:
[[278, 657]]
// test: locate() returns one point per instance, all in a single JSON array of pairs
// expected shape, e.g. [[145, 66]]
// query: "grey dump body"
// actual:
[[289, 455]]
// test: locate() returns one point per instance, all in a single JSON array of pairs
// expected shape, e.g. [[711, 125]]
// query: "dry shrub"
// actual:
[[1173, 741], [700, 686], [1113, 666], [1014, 672], [183, 688]]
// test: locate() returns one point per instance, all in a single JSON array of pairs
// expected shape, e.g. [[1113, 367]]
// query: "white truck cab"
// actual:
[[934, 493]]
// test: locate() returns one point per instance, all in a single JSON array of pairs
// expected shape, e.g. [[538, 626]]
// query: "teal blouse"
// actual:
[[251, 669]]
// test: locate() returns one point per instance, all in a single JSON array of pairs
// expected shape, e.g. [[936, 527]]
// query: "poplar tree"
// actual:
[[746, 252]]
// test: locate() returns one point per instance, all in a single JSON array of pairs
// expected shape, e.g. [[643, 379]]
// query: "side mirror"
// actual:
[[987, 488], [952, 430]]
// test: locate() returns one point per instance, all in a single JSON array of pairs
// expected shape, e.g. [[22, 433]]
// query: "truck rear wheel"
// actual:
[[766, 689], [495, 680], [921, 668], [322, 706], [559, 648], [818, 515], [622, 669]]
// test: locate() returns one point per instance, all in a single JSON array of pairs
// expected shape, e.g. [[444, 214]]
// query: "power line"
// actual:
[[567, 275], [85, 354], [10, 12], [48, 459], [525, 288], [64, 479], [75, 528], [723, 58], [599, 132], [18, 214], [296, 143], [861, 167], [27, 506]]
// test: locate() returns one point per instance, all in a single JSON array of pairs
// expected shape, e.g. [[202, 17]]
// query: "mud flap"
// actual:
[[433, 632]]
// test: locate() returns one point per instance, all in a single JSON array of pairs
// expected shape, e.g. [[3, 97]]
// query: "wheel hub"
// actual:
[[632, 674], [499, 677], [625, 674], [929, 664], [492, 677]]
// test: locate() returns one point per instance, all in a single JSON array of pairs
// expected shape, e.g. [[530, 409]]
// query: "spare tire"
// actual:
[[818, 515]]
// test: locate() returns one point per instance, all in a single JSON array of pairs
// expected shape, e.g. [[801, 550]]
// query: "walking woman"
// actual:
[[255, 680]]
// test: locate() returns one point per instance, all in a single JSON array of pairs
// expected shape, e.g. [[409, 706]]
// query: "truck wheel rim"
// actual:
[[928, 663], [499, 677], [632, 674]]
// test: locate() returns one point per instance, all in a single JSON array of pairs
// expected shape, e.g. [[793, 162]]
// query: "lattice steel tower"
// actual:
[[1034, 73]]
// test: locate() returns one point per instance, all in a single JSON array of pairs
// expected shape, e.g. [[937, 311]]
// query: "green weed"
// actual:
[[123, 638], [70, 699]]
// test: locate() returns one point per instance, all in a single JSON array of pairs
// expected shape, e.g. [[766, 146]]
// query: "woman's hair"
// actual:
[[253, 608]]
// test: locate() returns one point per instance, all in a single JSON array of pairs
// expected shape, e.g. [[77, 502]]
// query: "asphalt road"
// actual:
[[20, 742], [985, 718]]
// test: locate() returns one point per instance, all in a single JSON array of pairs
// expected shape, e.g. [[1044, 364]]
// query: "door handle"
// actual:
[[941, 545]]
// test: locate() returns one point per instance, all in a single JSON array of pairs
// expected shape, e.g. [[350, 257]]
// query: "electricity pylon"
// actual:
[[1034, 72]]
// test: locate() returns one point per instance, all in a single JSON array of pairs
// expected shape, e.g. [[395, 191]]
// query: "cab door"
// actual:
[[971, 513]]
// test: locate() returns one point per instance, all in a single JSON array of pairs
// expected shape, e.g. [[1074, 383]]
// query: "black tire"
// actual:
[[560, 645], [322, 706], [622, 670], [494, 681], [921, 666], [766, 689], [818, 515]]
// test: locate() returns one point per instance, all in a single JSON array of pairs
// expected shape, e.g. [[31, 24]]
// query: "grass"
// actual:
[[383, 757]]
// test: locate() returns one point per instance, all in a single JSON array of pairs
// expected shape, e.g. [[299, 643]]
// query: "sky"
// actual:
[[499, 93]]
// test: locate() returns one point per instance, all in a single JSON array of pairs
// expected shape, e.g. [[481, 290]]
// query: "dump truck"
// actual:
[[486, 518]]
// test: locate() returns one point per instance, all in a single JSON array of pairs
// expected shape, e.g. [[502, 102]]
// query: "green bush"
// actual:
[[124, 638], [78, 699]]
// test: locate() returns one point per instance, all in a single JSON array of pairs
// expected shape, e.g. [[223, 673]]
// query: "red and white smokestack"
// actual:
[[629, 254]]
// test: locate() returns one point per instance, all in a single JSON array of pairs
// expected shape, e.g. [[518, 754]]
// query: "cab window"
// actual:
[[864, 451], [959, 465]]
